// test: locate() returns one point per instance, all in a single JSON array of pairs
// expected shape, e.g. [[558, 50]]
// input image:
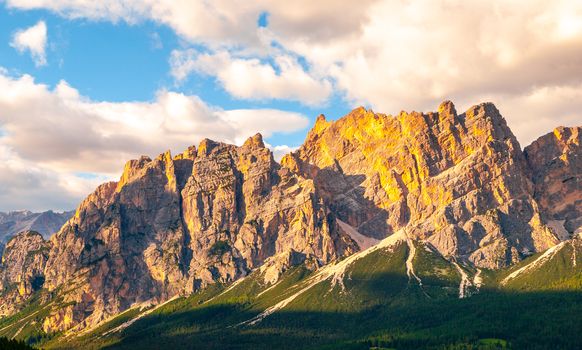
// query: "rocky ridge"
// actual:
[[172, 225], [46, 223], [458, 181], [556, 163], [22, 269], [175, 224]]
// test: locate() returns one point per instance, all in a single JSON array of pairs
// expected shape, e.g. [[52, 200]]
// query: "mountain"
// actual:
[[46, 223], [459, 182], [556, 165], [378, 231]]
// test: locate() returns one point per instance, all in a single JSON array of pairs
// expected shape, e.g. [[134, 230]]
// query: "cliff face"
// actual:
[[240, 208], [459, 182], [556, 163], [172, 225], [175, 224], [22, 269]]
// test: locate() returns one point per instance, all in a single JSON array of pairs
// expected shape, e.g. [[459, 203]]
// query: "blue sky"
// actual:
[[121, 62], [85, 86]]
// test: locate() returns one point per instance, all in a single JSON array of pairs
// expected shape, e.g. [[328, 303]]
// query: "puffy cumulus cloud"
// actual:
[[249, 78], [27, 185], [34, 40], [230, 24], [390, 55], [266, 121], [49, 136], [219, 21], [323, 21], [522, 55], [281, 150], [414, 54]]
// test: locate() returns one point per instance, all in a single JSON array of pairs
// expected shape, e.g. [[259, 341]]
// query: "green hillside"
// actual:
[[399, 296]]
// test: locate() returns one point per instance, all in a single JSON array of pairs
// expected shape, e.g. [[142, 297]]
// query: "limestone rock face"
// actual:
[[22, 269], [173, 225], [458, 181], [275, 266], [556, 163], [212, 214], [124, 245], [240, 207]]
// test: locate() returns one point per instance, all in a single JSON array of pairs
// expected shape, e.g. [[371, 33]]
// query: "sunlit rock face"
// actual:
[[240, 201], [212, 214], [173, 225], [458, 181], [556, 163], [122, 246]]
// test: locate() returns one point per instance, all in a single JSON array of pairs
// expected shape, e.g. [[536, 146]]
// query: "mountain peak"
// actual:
[[320, 125], [255, 141], [206, 146], [132, 167], [447, 108], [556, 163], [189, 153]]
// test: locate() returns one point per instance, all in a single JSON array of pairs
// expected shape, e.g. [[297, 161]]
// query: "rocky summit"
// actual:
[[456, 186], [460, 182]]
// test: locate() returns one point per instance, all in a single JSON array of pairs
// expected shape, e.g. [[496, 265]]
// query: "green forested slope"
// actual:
[[372, 302]]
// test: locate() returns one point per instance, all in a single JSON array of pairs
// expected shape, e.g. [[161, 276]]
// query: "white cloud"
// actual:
[[34, 40], [48, 136], [27, 185], [524, 55], [390, 55], [413, 54], [249, 121], [219, 21], [281, 150], [249, 78]]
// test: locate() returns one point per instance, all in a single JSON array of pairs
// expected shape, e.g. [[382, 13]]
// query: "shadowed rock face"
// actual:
[[241, 196], [460, 182], [172, 225], [22, 269], [556, 163], [175, 224]]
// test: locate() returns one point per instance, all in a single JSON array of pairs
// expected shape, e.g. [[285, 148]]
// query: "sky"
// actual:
[[87, 85]]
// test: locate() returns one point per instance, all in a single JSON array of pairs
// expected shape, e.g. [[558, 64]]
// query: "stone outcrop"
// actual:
[[22, 269], [173, 225], [212, 214], [556, 163], [458, 181], [240, 199]]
